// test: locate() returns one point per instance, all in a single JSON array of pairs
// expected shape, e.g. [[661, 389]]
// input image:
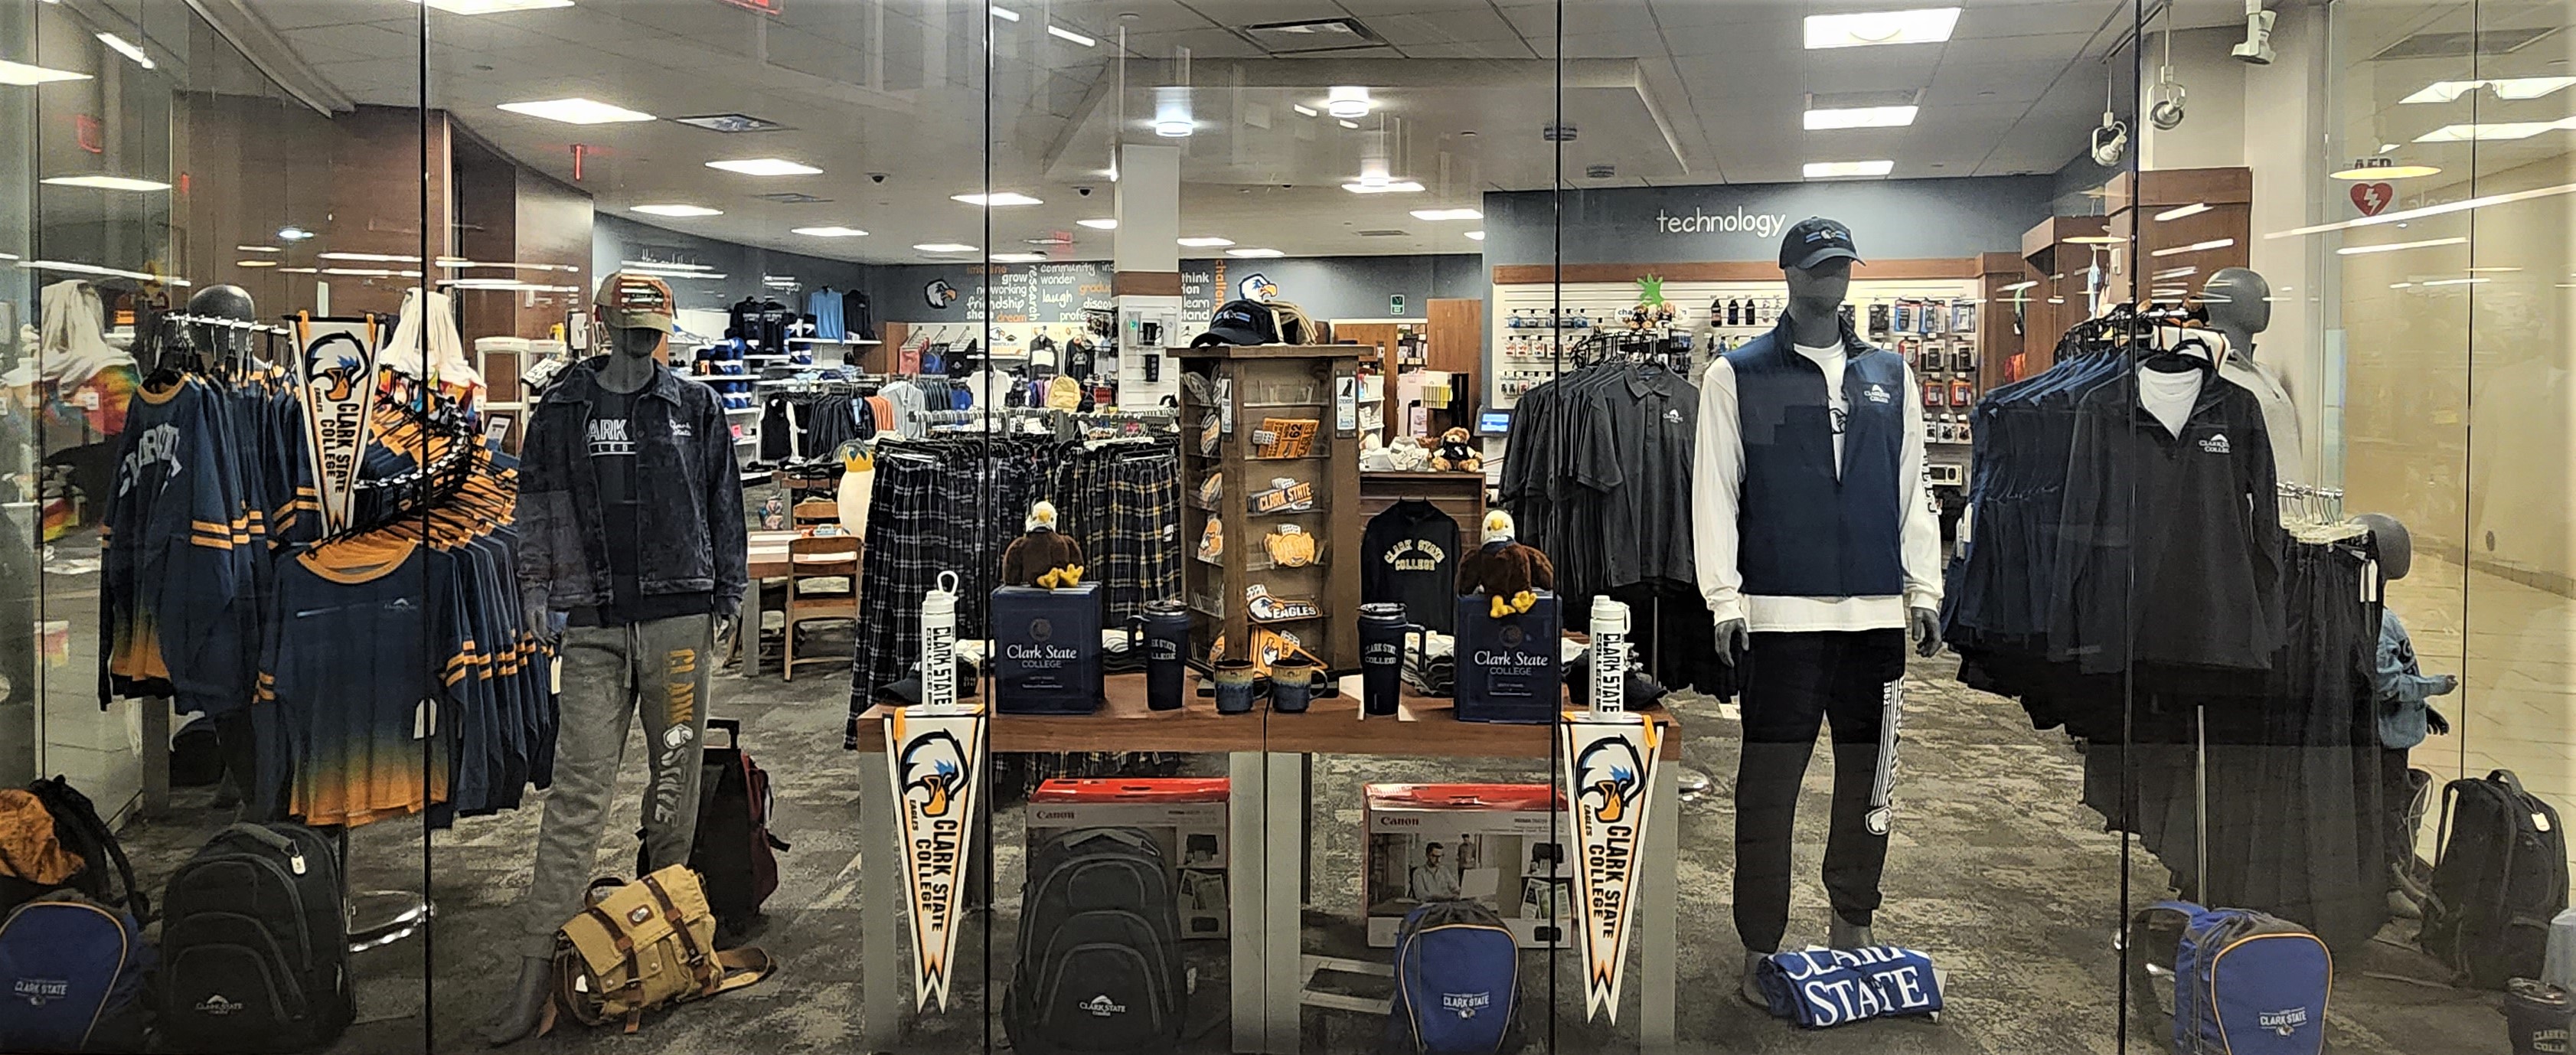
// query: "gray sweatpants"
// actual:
[[611, 676]]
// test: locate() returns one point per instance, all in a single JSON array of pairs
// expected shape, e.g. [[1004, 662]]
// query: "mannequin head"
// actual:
[[2396, 548], [222, 302], [1816, 293], [636, 310], [1816, 257], [2239, 304], [635, 342]]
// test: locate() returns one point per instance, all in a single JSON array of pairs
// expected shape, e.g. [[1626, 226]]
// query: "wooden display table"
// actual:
[[1268, 810]]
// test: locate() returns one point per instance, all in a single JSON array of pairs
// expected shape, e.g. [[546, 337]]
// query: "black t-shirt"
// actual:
[[1078, 359], [611, 445], [1409, 555]]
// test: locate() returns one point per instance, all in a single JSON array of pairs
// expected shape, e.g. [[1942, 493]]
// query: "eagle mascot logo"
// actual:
[[1607, 781], [934, 772]]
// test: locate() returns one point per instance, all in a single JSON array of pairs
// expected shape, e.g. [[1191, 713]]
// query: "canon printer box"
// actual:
[[1185, 815], [1496, 843], [1046, 650]]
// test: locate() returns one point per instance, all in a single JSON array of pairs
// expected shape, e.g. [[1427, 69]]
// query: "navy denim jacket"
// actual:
[[694, 537]]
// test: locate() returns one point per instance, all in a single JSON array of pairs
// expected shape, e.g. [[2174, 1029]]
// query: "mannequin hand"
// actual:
[[2435, 724], [2446, 684], [1733, 636], [539, 621], [1925, 625], [723, 626]]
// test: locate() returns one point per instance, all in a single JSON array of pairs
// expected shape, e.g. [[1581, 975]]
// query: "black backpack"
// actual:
[[255, 950], [1100, 963], [734, 855], [105, 876], [2501, 877]]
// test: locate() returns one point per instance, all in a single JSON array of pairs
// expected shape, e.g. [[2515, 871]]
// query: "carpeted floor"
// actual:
[[1995, 871]]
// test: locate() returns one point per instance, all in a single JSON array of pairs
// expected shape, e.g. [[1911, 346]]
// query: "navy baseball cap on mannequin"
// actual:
[[1815, 240]]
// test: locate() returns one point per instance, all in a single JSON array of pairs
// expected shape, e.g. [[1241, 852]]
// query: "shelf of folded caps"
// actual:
[[1260, 560], [1423, 726]]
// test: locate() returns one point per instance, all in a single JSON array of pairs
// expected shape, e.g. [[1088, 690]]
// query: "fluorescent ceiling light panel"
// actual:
[[1841, 169], [1061, 33], [369, 258], [2193, 209], [665, 265], [93, 269], [293, 233], [2195, 247], [2505, 88], [1861, 117], [254, 263], [2388, 172], [1205, 242], [1447, 214], [1302, 109], [2018, 286], [990, 200], [1475, 236], [126, 48], [98, 182], [676, 210], [1928, 25], [828, 232], [1348, 124], [2488, 131], [2391, 247], [257, 249], [1004, 13], [944, 247], [1018, 258], [1102, 224], [1254, 252], [2458, 281], [576, 111], [1390, 187], [2419, 212], [492, 7], [765, 167], [23, 75]]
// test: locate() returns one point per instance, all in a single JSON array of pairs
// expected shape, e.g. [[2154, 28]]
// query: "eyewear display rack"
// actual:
[[1241, 429]]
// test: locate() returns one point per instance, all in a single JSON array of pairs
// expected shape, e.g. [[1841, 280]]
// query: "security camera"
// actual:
[[876, 177], [2257, 48], [1084, 191]]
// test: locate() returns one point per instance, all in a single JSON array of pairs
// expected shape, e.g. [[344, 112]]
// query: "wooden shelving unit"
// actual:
[[1247, 384]]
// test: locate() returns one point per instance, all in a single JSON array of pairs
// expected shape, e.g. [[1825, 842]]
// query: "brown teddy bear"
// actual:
[[1505, 569], [1455, 454]]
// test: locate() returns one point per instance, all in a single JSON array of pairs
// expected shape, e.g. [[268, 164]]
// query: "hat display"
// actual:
[[1241, 322], [628, 301], [1816, 240]]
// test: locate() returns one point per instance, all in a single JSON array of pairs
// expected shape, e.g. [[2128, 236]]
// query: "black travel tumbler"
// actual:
[[2538, 1016], [1382, 632], [1167, 633]]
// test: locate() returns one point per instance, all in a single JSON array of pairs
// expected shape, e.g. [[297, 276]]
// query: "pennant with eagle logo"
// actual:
[[335, 373], [1609, 773], [936, 761]]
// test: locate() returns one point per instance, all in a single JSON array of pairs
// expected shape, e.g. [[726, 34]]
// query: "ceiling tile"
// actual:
[[1448, 27], [1488, 49], [305, 14], [2023, 19], [1110, 16], [2061, 46], [1202, 43], [1263, 12], [1539, 21], [1968, 83]]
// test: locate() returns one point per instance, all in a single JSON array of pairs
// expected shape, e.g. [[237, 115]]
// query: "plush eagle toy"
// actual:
[[1504, 569], [1042, 557]]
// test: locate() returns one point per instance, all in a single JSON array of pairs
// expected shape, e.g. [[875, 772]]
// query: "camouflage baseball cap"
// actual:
[[630, 301]]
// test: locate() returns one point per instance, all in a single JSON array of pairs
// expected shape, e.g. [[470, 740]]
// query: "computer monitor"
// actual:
[[1494, 423]]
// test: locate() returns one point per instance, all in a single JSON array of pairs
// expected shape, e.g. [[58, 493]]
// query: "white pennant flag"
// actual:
[[1609, 776], [335, 373], [936, 762]]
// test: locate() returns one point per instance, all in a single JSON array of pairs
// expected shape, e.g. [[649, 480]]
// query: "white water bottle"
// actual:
[[1609, 655], [939, 644]]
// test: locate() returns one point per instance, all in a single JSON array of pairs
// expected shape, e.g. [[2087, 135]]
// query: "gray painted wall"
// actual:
[[1334, 287], [1889, 219]]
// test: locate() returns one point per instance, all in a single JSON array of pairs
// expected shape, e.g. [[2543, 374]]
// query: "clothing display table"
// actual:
[[1267, 809]]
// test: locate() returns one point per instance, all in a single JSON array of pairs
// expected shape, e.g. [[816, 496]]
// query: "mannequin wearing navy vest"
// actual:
[[1818, 553]]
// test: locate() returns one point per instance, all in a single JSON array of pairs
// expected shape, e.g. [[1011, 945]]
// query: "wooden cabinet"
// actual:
[[1244, 392]]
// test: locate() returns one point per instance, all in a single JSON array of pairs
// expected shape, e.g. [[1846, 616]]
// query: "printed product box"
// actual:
[[1186, 817], [1046, 650], [1495, 843], [1509, 669]]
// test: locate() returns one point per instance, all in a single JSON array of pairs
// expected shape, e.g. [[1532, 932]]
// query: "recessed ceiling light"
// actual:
[[1003, 198], [1348, 124], [1837, 169], [1174, 127], [1102, 224], [1004, 13], [1861, 117], [1392, 187], [107, 182], [828, 232], [369, 258], [257, 249], [2391, 247], [2195, 247], [293, 233], [1254, 252], [254, 263], [2505, 88], [1929, 25], [1475, 236], [1347, 100], [2387, 172], [576, 111], [126, 48], [2499, 270], [944, 247], [2488, 131], [1302, 109], [677, 210], [299, 271], [1206, 242], [2458, 281], [23, 75], [1017, 258], [1447, 214], [2094, 239], [2193, 209], [765, 167], [1061, 33], [493, 7]]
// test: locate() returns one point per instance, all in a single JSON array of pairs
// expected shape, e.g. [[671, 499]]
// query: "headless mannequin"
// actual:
[[1815, 321], [2239, 303], [629, 368]]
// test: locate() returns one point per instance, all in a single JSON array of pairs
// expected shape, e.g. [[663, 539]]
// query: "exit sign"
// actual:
[[766, 7]]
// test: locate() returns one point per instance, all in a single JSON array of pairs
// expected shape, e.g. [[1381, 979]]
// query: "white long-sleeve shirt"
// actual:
[[1717, 489]]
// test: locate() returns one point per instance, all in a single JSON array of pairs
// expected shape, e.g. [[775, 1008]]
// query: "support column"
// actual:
[[1147, 264]]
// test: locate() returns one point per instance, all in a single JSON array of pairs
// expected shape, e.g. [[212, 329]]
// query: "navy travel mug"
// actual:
[[1382, 632], [1166, 626]]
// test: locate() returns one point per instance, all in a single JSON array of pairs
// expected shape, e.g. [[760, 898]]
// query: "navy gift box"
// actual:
[[1508, 667], [1046, 650]]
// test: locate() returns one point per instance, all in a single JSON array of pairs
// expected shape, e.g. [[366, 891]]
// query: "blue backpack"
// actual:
[[1457, 983], [2247, 983], [71, 977]]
